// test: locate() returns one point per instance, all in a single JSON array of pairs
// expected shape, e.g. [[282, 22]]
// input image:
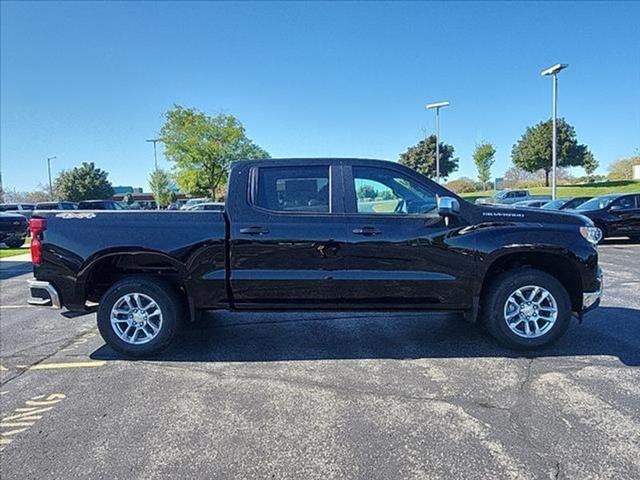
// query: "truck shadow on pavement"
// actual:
[[13, 268], [267, 337]]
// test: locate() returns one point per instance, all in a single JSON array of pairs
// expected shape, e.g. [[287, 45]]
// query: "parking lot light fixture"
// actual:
[[155, 159], [437, 106], [553, 72], [50, 183]]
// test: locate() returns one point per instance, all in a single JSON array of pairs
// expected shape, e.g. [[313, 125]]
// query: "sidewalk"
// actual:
[[23, 257]]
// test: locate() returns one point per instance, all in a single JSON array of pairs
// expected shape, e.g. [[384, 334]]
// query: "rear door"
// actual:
[[285, 234], [399, 252]]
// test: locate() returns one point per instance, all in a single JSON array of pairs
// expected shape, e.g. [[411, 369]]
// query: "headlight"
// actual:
[[591, 234]]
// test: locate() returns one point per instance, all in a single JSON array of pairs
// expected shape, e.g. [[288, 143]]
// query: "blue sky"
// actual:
[[89, 81]]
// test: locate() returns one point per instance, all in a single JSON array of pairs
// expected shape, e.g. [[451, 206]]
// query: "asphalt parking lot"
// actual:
[[323, 395]]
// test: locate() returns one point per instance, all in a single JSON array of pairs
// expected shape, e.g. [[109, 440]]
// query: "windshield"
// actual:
[[195, 201], [502, 193], [597, 203], [554, 205]]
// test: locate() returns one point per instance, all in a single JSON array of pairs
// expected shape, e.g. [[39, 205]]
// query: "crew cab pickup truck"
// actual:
[[508, 197], [306, 234]]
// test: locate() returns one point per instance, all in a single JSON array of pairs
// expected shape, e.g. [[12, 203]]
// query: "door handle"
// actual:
[[367, 231], [254, 231]]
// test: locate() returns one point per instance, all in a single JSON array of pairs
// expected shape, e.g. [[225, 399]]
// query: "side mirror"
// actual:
[[448, 206]]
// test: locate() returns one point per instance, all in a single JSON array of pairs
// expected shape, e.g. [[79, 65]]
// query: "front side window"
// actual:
[[385, 191], [293, 189], [626, 203]]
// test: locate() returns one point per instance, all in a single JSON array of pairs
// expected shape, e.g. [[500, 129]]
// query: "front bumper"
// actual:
[[591, 300], [43, 294]]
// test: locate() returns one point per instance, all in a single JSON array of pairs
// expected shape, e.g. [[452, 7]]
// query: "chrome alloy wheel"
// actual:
[[530, 311], [136, 318]]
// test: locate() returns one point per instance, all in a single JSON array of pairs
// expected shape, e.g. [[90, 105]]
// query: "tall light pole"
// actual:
[[155, 153], [553, 72], [155, 158], [437, 106], [49, 170]]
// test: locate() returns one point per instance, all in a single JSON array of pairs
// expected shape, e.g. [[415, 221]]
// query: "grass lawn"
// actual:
[[587, 189], [10, 252]]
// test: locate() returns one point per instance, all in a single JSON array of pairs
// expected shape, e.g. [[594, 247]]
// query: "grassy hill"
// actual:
[[587, 189]]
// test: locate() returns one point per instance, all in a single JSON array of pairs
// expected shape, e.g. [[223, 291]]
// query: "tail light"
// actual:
[[37, 226]]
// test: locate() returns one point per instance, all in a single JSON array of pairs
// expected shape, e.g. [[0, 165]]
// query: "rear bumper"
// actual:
[[43, 294]]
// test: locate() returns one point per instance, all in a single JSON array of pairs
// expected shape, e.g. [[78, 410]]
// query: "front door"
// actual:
[[400, 253], [626, 214], [285, 243]]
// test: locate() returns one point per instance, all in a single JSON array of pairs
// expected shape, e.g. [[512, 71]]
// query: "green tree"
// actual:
[[160, 184], [422, 158], [173, 197], [85, 182], [367, 192], [590, 164], [533, 150], [484, 157], [202, 148]]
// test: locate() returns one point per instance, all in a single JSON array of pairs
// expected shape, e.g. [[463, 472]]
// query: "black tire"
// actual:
[[14, 242], [161, 292], [503, 287]]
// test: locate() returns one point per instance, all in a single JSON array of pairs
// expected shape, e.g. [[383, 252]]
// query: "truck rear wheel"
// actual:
[[138, 316], [526, 309]]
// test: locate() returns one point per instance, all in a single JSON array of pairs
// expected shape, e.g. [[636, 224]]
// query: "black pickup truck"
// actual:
[[319, 234]]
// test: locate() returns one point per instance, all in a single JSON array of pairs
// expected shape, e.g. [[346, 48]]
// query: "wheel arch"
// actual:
[[555, 264], [105, 268]]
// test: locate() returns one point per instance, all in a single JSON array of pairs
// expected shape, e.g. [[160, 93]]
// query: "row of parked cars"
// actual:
[[616, 214], [14, 217]]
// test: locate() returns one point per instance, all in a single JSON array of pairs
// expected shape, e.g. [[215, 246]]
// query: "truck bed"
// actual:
[[192, 243]]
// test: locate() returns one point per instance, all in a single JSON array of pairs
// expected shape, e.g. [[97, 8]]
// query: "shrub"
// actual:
[[623, 169], [463, 185]]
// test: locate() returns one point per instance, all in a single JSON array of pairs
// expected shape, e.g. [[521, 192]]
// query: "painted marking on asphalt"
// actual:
[[49, 366], [3, 368], [24, 418], [15, 306]]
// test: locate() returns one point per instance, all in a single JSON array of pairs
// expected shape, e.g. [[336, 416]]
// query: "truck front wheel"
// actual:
[[138, 316], [526, 309]]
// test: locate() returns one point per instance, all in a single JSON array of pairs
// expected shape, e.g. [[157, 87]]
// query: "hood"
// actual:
[[531, 215]]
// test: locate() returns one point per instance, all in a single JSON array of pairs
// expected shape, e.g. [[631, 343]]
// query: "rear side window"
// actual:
[[91, 206], [293, 189], [8, 208]]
